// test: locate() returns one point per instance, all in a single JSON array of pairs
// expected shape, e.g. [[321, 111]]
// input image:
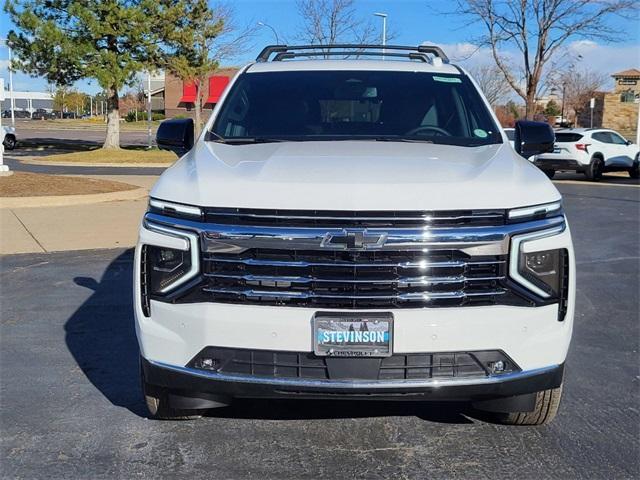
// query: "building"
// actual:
[[28, 101], [179, 96], [617, 110]]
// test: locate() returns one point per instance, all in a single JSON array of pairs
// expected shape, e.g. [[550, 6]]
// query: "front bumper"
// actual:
[[193, 382], [559, 164]]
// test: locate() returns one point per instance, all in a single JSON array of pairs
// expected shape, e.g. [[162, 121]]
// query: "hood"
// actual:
[[354, 175]]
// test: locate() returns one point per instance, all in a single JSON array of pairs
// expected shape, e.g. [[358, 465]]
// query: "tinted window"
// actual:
[[617, 139], [602, 137], [334, 105], [567, 137]]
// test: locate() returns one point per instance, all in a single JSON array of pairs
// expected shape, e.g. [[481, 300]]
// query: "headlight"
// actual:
[[165, 267], [543, 269], [171, 258], [541, 272], [536, 212], [173, 209]]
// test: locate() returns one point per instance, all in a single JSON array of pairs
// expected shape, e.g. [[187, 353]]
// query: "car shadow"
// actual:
[[101, 337]]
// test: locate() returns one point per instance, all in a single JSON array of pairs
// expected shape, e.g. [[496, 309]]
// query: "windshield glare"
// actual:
[[342, 105]]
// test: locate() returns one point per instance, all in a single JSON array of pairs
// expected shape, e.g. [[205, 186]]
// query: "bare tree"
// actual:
[[538, 29], [326, 22], [579, 86], [198, 40], [491, 81]]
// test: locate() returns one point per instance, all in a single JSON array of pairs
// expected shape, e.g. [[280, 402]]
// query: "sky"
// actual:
[[413, 21]]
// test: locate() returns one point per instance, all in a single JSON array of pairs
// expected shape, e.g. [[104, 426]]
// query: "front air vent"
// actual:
[[144, 282]]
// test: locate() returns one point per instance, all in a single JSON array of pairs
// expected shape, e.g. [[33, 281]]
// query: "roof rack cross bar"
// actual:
[[413, 55], [358, 49]]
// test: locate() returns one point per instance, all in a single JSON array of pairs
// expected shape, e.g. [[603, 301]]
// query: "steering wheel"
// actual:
[[422, 128]]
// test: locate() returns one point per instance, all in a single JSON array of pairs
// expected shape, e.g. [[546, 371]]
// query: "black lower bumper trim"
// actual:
[[187, 382]]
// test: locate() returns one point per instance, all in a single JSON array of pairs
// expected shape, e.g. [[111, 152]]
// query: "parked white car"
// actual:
[[592, 152], [9, 137], [354, 229], [511, 135]]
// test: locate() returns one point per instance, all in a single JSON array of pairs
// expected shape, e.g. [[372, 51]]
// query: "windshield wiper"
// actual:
[[243, 140], [399, 139], [214, 137]]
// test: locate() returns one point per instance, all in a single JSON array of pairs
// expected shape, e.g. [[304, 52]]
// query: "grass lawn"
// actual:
[[123, 155], [96, 123], [24, 184]]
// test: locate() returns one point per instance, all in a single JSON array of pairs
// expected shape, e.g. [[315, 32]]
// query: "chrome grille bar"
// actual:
[[421, 296], [338, 263], [402, 281]]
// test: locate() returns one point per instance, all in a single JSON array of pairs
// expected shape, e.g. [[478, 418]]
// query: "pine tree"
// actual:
[[106, 40], [190, 46]]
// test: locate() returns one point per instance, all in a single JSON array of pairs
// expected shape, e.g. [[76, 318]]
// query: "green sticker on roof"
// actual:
[[447, 79]]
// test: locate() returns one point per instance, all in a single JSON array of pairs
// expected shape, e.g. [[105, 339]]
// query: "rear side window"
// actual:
[[511, 134], [602, 137], [568, 137]]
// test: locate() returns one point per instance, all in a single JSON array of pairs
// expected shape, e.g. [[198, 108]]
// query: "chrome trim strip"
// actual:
[[406, 281], [424, 218], [514, 257], [353, 384], [220, 238], [422, 296], [192, 240], [282, 263]]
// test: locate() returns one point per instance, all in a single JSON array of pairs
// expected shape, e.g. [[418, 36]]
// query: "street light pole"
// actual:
[[4, 170], [562, 112], [149, 110], [12, 103], [262, 24], [384, 30]]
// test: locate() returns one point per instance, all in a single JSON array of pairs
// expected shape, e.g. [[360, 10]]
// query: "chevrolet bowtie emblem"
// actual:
[[353, 240]]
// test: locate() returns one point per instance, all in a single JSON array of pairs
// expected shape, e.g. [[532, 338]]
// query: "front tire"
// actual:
[[157, 401], [595, 169], [634, 172], [545, 410], [9, 142]]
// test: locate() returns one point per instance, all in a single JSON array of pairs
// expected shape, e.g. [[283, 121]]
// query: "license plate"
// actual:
[[352, 335]]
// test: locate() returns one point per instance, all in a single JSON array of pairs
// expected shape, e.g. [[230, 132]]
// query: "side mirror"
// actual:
[[175, 135], [533, 138]]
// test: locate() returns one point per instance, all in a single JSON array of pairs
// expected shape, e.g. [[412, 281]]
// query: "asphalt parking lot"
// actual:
[[70, 403]]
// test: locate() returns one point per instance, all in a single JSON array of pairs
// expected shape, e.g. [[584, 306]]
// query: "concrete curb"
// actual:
[[68, 200], [78, 164]]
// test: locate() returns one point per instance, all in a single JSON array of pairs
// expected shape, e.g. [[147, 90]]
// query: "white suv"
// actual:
[[354, 229], [592, 151]]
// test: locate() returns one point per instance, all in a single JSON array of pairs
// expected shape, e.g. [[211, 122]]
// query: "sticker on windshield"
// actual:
[[478, 132], [447, 79]]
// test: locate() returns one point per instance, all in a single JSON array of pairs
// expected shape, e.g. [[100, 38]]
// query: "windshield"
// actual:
[[345, 105]]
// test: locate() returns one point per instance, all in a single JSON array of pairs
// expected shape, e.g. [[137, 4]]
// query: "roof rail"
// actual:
[[285, 52]]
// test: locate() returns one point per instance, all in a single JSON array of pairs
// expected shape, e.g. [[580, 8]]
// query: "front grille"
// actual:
[[354, 279], [350, 219], [306, 365]]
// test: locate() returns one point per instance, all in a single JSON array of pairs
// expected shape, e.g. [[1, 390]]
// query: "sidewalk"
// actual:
[[78, 227]]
